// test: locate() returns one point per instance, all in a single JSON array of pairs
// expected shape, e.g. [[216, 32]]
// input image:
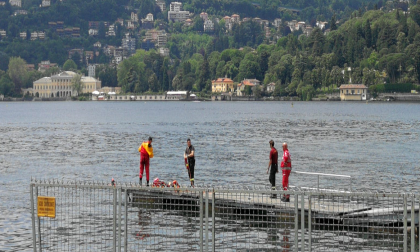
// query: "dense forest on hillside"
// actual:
[[374, 48], [373, 42]]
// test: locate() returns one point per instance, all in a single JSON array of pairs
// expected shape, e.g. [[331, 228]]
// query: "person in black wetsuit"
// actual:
[[189, 155]]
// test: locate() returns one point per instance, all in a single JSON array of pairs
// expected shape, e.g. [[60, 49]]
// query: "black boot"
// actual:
[[140, 181], [147, 183]]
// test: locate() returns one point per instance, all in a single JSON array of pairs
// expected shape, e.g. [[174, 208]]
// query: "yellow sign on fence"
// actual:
[[46, 206]]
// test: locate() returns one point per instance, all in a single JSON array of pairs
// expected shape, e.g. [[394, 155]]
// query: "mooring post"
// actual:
[[296, 222], [31, 189], [405, 222]]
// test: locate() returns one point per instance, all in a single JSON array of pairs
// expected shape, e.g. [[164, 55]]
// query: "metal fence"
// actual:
[[127, 217]]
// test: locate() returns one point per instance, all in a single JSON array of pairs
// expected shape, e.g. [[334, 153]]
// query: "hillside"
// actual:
[[376, 41]]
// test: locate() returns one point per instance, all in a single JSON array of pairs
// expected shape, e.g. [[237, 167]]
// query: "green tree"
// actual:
[[198, 24], [204, 73], [69, 65], [77, 84], [333, 23], [415, 13], [4, 61], [6, 85], [257, 92], [153, 83], [17, 72], [368, 33]]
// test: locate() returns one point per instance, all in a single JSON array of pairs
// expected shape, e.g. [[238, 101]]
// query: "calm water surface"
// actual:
[[377, 143]]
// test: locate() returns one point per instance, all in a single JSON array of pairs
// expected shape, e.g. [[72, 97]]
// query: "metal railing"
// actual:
[[325, 175], [126, 217]]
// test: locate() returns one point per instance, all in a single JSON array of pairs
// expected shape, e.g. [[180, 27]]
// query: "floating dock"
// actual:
[[323, 211]]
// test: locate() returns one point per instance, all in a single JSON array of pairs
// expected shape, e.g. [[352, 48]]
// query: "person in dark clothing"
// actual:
[[273, 164], [189, 155]]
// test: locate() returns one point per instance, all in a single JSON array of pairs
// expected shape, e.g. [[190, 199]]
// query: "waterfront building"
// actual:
[[176, 95], [108, 90], [60, 85], [222, 85], [270, 87], [353, 92], [252, 83], [23, 35]]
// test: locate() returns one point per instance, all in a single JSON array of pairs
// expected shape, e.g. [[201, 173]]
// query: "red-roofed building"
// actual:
[[251, 83], [222, 85]]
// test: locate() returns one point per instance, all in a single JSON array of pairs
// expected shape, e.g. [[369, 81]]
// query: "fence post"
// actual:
[[39, 222], [31, 187], [207, 221], [302, 216], [405, 222], [413, 224], [119, 219], [125, 221], [309, 223], [201, 221], [296, 222], [213, 222], [114, 237]]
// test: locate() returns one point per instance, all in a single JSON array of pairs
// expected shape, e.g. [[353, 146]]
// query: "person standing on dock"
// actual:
[[286, 168], [146, 152], [189, 155], [274, 167]]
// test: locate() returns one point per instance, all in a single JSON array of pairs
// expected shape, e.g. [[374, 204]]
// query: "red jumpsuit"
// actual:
[[286, 168], [146, 152]]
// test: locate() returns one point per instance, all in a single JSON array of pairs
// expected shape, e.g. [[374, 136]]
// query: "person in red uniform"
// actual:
[[274, 167], [146, 152], [286, 168]]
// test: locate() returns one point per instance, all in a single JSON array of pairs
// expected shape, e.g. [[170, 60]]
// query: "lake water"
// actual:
[[376, 143]]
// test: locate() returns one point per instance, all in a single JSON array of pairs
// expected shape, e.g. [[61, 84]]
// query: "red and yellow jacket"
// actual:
[[146, 150]]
